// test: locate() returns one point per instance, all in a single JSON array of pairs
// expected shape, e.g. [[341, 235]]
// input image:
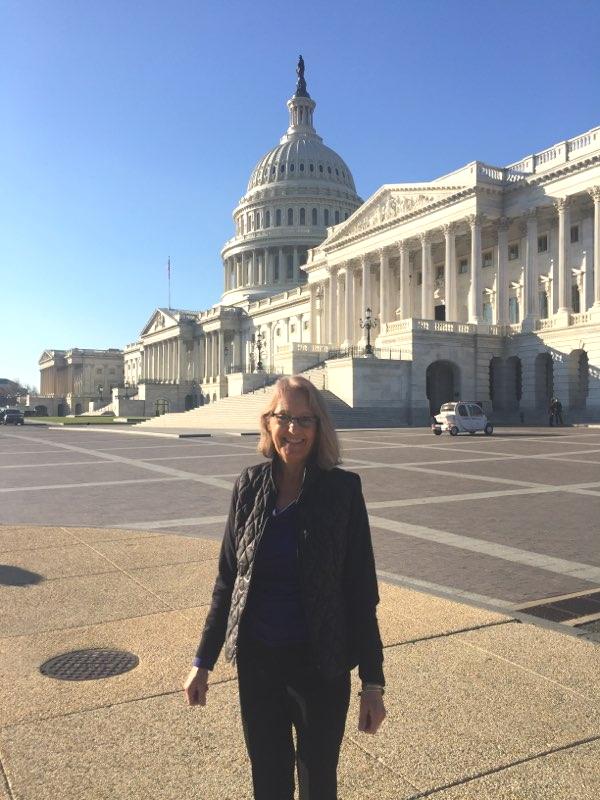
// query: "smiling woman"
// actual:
[[295, 601]]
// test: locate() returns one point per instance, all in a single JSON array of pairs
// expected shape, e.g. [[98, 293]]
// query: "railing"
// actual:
[[361, 352], [580, 319], [302, 347]]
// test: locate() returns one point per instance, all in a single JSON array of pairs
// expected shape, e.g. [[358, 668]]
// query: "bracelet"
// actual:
[[372, 687]]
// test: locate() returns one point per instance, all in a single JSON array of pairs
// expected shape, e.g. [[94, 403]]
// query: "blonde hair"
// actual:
[[326, 450]]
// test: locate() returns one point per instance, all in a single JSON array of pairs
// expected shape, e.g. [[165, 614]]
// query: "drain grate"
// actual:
[[89, 665]]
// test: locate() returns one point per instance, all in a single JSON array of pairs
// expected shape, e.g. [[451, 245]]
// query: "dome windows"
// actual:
[[315, 219], [273, 169], [302, 167], [292, 167], [329, 170], [320, 167], [337, 172], [326, 217], [312, 167], [302, 216], [282, 168], [337, 217], [267, 219], [290, 216], [278, 218]]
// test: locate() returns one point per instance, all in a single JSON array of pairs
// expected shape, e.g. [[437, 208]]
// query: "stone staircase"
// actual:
[[241, 413]]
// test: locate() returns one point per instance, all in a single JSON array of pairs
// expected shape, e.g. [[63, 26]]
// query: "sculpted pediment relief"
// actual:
[[159, 320], [390, 204]]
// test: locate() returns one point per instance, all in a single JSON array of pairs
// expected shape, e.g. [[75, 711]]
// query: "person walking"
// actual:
[[295, 601]]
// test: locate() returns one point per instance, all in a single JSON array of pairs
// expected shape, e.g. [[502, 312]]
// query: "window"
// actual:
[[302, 167], [487, 258], [543, 303], [337, 172], [320, 167], [292, 167], [314, 216], [267, 219], [99, 371], [475, 411], [439, 273], [257, 221], [326, 217], [574, 233], [329, 170], [513, 251], [419, 278], [290, 267], [346, 215], [278, 218], [463, 266], [312, 167], [487, 313], [302, 216], [575, 299], [513, 310], [282, 168], [290, 218], [543, 243], [337, 217]]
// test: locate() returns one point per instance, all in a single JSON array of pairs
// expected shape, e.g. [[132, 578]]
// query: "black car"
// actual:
[[12, 416]]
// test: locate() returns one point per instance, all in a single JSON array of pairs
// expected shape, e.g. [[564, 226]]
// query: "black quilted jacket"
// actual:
[[339, 584]]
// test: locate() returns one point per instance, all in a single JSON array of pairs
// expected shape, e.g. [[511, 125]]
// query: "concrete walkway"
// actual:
[[479, 705]]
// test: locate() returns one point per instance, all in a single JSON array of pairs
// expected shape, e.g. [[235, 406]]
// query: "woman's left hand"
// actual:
[[372, 711]]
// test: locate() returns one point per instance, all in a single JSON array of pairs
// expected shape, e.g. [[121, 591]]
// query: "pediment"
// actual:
[[50, 355], [161, 318], [390, 204]]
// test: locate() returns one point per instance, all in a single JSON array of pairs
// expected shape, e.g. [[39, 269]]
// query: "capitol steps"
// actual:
[[241, 414]]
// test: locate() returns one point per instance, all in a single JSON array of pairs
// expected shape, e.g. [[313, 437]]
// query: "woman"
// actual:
[[294, 601]]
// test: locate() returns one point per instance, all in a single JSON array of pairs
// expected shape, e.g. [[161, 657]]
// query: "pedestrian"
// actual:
[[551, 411], [558, 415], [295, 601]]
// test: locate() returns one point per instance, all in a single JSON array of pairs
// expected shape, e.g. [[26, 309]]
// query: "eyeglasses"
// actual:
[[303, 422]]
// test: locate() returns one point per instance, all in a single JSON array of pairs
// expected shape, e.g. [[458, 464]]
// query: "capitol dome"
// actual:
[[296, 192]]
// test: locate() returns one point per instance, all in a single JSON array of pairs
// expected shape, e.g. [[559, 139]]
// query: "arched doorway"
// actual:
[[578, 379], [41, 411], [161, 407], [513, 383], [544, 381], [78, 408], [497, 387], [61, 411], [442, 384]]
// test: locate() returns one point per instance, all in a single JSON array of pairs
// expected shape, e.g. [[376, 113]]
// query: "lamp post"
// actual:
[[258, 341], [100, 391], [367, 324]]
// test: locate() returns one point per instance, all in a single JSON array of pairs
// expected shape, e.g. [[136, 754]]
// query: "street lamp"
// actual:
[[258, 342], [100, 391], [367, 324]]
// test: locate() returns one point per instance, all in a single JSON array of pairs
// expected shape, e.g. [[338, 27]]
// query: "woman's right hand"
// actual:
[[196, 686]]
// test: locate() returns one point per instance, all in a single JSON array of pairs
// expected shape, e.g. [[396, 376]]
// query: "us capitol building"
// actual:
[[482, 284]]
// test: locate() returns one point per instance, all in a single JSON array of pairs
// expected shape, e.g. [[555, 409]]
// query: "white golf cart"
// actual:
[[461, 417]]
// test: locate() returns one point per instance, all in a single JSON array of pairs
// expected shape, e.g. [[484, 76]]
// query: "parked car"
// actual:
[[13, 416], [461, 417]]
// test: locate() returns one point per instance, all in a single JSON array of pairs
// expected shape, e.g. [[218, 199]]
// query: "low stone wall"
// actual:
[[370, 382]]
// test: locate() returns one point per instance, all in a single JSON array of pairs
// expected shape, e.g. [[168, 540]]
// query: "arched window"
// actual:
[[302, 216], [302, 167], [241, 223], [278, 218], [249, 222], [337, 217], [290, 218], [257, 221], [326, 217], [292, 167], [267, 219], [314, 217]]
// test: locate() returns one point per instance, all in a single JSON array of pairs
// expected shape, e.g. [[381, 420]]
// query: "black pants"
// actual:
[[278, 691]]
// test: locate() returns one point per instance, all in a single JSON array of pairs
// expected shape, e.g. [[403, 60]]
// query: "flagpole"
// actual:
[[169, 279]]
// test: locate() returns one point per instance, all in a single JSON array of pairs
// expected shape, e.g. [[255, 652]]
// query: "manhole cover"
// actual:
[[88, 665]]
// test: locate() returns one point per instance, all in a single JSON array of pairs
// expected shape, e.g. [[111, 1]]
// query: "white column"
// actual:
[[300, 320], [426, 281], [348, 308], [595, 195], [220, 354], [282, 267], [366, 285], [564, 271], [502, 278], [450, 299], [530, 278], [333, 301], [475, 309], [318, 335], [404, 281], [384, 282]]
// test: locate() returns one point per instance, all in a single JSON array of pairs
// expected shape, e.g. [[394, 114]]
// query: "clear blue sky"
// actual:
[[129, 128]]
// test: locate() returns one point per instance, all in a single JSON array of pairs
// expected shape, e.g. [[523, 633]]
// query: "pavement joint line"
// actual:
[[206, 479], [166, 523], [5, 780], [123, 702], [539, 675], [543, 601], [582, 620], [57, 544], [55, 486], [515, 555], [395, 772], [125, 572], [502, 767], [448, 634]]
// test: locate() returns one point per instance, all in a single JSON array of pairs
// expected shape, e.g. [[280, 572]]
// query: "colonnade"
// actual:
[[349, 289], [265, 266]]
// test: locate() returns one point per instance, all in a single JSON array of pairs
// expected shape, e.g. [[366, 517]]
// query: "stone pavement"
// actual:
[[480, 705]]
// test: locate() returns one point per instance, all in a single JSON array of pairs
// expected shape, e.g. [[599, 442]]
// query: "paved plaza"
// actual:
[[489, 575]]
